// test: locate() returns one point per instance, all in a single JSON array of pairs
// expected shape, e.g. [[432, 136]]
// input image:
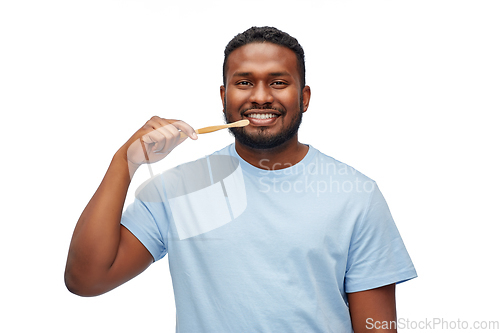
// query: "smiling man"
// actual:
[[264, 84], [308, 244]]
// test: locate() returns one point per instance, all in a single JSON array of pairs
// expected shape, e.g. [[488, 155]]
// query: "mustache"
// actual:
[[262, 107]]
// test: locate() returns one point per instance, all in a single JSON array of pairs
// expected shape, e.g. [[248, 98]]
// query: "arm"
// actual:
[[373, 310], [103, 254]]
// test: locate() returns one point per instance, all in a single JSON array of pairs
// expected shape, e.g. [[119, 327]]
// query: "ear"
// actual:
[[306, 96], [222, 96]]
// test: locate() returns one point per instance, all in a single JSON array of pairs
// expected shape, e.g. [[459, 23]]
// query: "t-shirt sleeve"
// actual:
[[146, 218], [377, 255]]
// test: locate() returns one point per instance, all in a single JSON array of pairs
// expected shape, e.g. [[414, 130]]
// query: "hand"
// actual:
[[153, 141]]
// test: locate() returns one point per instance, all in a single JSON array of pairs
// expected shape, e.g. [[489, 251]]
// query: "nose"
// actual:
[[261, 94]]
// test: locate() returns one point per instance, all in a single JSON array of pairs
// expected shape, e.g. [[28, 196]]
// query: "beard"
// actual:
[[262, 139]]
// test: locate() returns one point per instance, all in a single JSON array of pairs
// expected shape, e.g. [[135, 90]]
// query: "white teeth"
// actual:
[[261, 116]]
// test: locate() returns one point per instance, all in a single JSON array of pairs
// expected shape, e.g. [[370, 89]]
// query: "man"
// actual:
[[313, 250]]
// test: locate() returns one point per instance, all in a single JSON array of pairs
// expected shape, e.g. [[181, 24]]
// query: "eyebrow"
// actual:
[[279, 74], [246, 74]]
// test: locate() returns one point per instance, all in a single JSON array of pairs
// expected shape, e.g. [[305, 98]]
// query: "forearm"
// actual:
[[96, 237]]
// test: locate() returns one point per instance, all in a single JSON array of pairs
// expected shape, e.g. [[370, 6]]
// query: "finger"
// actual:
[[172, 135], [168, 125], [178, 138], [153, 140], [185, 128], [179, 124], [161, 136]]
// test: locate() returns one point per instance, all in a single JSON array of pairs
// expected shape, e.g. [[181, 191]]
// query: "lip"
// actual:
[[262, 122]]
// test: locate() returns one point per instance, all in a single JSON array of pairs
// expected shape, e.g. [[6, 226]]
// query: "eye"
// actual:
[[279, 84], [243, 83]]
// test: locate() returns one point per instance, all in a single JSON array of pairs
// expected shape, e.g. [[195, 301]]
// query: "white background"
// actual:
[[407, 92]]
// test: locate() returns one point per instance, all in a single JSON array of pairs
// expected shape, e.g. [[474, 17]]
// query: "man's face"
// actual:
[[263, 86]]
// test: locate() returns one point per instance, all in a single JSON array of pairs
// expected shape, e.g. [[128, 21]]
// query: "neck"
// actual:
[[283, 156]]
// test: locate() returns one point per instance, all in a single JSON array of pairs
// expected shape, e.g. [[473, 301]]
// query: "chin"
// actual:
[[262, 141]]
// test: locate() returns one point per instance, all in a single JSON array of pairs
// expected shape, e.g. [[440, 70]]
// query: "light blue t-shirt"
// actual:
[[255, 250]]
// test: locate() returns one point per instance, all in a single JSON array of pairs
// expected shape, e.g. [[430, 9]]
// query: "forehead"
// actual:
[[262, 58]]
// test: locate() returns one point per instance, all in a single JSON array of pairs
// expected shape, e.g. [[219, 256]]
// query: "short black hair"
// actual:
[[271, 35]]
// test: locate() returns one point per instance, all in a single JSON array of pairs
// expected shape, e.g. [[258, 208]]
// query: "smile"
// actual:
[[262, 118], [262, 115]]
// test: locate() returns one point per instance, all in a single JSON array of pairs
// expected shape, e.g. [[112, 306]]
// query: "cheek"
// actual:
[[289, 98], [235, 98]]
